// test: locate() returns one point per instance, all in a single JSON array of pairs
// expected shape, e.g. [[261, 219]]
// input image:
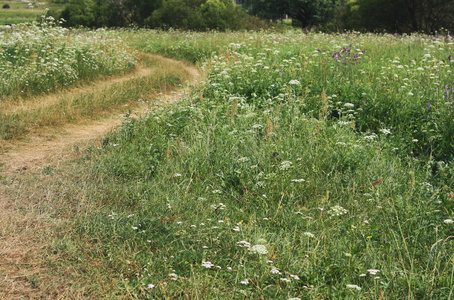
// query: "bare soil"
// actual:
[[26, 224]]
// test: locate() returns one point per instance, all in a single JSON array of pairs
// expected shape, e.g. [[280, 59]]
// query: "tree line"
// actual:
[[400, 16]]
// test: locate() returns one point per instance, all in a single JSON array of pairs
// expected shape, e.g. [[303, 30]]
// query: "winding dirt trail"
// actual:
[[25, 226]]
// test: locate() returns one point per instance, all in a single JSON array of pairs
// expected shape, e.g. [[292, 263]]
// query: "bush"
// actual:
[[6, 6]]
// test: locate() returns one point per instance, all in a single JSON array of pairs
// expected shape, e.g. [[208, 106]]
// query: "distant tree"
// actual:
[[267, 9], [108, 13], [6, 6], [314, 12], [399, 15], [79, 13], [139, 10], [178, 14]]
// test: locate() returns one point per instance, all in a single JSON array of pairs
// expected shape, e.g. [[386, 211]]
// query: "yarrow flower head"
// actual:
[[285, 165], [385, 131], [294, 82], [259, 249], [336, 211], [373, 271], [353, 286], [243, 244], [207, 264], [298, 180]]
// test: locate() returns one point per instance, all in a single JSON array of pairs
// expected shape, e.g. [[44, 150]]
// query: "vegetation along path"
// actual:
[[85, 114]]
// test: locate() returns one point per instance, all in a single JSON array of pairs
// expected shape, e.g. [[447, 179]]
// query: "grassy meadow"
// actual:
[[24, 11], [302, 166]]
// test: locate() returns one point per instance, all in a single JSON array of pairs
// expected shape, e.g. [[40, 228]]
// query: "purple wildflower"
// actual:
[[449, 57]]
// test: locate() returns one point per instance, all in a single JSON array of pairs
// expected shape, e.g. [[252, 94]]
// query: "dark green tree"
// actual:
[[314, 12], [178, 14], [79, 13], [267, 9], [108, 13], [399, 15]]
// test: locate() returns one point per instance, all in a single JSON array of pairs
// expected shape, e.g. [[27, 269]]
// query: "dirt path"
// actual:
[[50, 144], [25, 227]]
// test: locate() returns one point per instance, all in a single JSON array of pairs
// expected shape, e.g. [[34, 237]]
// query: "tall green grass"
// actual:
[[287, 174]]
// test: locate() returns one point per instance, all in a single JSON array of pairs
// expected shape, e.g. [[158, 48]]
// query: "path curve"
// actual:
[[52, 143], [24, 230]]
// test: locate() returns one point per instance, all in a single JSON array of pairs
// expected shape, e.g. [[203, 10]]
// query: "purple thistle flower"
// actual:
[[449, 57], [319, 50]]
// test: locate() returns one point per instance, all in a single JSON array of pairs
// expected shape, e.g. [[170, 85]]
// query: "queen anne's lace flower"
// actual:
[[353, 286], [336, 211], [259, 249]]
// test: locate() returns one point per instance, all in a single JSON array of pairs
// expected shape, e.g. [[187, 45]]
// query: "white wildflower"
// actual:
[[309, 234], [353, 286], [245, 282], [243, 244], [243, 159], [448, 221], [298, 180], [373, 271], [294, 82], [285, 165], [337, 210], [259, 249], [274, 270], [207, 264]]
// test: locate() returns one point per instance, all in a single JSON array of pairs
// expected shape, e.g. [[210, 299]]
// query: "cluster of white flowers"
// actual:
[[285, 165], [259, 249], [336, 211], [243, 244], [51, 56], [354, 286]]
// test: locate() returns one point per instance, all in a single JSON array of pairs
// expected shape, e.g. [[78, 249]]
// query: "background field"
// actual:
[[301, 166], [25, 12]]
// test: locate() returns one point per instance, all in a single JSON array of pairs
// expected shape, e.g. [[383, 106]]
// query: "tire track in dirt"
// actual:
[[25, 229]]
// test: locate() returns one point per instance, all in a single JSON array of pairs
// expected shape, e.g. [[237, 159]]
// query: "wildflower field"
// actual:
[[41, 58], [302, 166]]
